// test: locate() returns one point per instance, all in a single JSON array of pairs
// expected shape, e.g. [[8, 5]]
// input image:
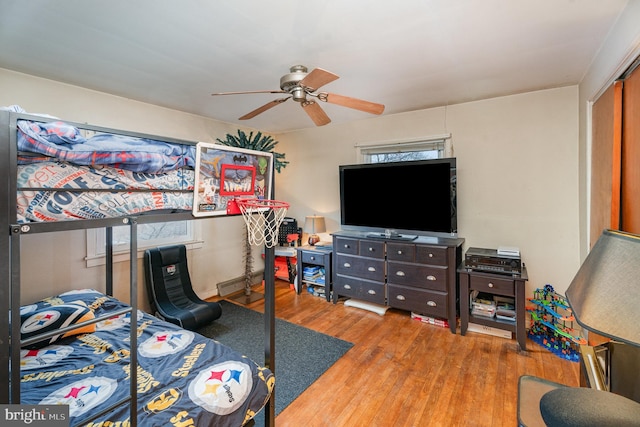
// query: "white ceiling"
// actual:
[[408, 54]]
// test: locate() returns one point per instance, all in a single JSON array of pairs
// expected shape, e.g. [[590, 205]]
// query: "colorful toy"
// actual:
[[552, 324]]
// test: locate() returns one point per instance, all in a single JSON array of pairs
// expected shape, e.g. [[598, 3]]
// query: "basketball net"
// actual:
[[263, 218]]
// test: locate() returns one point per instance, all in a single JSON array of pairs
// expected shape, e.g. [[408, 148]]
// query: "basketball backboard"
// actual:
[[225, 173]]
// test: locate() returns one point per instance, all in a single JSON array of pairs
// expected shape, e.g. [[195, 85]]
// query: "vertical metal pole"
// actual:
[[109, 260], [133, 325], [15, 314], [269, 319], [8, 198]]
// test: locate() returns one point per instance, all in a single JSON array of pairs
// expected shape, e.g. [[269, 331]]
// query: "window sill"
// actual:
[[122, 256]]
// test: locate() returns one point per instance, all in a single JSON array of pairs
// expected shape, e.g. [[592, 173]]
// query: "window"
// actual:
[[149, 236], [428, 148]]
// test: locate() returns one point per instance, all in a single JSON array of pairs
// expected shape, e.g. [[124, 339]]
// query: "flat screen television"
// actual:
[[412, 196]]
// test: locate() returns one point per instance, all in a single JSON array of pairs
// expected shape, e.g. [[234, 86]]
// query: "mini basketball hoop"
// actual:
[[262, 229]]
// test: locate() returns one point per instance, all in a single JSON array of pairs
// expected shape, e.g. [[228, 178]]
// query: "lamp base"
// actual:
[[313, 239]]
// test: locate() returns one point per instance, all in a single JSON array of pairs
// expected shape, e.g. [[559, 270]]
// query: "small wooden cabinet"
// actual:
[[311, 256], [417, 275], [496, 284]]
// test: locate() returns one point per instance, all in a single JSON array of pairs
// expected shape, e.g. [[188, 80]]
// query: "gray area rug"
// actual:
[[302, 355]]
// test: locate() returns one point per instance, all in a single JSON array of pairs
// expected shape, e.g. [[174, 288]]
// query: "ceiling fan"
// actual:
[[302, 86]]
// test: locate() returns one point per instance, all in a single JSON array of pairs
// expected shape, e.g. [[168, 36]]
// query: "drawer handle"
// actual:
[[371, 292], [313, 258], [346, 246], [371, 269], [347, 265], [400, 273], [370, 249], [490, 285], [347, 286], [431, 303], [430, 255], [432, 278], [399, 252], [400, 297]]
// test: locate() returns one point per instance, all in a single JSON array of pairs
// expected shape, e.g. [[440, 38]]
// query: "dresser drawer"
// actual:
[[313, 257], [433, 255], [401, 252], [366, 268], [345, 245], [371, 249], [359, 289], [492, 285], [421, 301], [417, 275]]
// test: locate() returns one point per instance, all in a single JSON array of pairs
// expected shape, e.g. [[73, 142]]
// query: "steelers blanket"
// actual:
[[183, 379]]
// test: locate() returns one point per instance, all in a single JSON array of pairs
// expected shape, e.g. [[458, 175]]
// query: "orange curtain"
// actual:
[[605, 161], [630, 159]]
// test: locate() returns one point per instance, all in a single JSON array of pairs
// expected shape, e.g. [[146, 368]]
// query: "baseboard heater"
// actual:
[[236, 284]]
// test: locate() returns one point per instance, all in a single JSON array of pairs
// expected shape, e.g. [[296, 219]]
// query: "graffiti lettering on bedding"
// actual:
[[145, 380], [98, 344], [48, 376], [92, 213], [76, 178], [190, 360]]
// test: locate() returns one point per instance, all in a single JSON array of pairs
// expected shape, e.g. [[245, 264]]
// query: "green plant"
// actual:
[[258, 142]]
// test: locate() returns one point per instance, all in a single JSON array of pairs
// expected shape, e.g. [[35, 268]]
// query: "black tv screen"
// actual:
[[413, 195]]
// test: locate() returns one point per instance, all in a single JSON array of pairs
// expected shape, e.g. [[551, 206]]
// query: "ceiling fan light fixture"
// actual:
[[299, 94]]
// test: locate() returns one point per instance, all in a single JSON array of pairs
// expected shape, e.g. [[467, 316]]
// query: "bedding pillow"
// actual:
[[44, 316]]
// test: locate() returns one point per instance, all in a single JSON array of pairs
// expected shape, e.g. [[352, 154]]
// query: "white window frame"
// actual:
[[441, 143], [96, 238]]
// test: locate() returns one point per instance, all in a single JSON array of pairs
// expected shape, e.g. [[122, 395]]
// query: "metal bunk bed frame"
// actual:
[[10, 270]]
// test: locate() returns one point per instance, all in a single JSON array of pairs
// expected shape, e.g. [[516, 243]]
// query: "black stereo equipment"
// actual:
[[488, 260]]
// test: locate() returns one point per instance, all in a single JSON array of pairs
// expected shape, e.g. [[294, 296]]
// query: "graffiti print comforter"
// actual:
[[78, 192]]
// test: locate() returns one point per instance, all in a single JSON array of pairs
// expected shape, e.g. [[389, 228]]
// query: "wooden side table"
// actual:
[[496, 284], [311, 256]]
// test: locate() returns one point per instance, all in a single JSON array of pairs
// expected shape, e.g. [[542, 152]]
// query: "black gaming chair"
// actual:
[[169, 287]]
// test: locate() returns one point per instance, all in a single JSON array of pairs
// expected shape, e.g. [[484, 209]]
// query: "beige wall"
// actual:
[[517, 160]]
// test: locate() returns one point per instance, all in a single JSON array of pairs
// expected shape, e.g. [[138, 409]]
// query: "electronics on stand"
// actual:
[[288, 227], [503, 261]]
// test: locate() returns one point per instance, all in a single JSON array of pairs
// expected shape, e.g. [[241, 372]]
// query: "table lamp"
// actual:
[[313, 225], [605, 299]]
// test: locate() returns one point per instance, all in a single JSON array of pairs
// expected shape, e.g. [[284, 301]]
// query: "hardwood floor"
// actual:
[[401, 372]]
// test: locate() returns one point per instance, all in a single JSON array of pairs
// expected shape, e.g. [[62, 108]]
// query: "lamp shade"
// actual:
[[605, 293], [314, 224]]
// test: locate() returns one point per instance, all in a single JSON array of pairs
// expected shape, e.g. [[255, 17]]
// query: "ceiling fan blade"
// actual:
[[264, 108], [248, 91], [346, 101], [316, 113], [318, 78]]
